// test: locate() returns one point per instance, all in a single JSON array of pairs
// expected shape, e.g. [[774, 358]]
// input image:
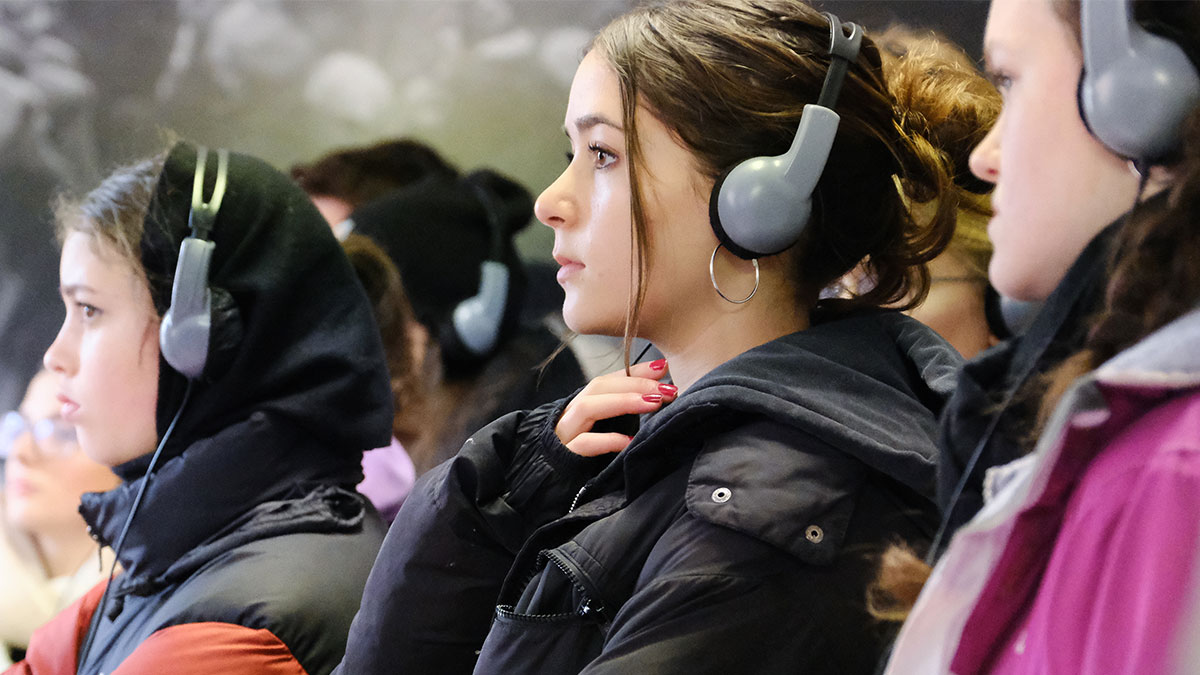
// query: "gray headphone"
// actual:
[[761, 206], [1137, 87], [184, 333]]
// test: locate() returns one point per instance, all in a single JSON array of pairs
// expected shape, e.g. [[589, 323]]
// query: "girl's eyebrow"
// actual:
[[992, 52], [585, 122], [70, 290]]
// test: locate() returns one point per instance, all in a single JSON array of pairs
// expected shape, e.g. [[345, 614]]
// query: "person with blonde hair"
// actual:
[[954, 105], [47, 559]]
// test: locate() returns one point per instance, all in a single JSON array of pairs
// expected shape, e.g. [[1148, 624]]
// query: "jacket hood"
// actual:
[[870, 384], [293, 334]]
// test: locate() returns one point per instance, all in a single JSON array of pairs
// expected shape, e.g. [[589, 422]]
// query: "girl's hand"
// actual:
[[612, 395]]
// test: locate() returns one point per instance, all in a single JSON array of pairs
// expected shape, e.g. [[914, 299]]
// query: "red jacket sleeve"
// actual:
[[186, 649], [203, 648], [54, 647]]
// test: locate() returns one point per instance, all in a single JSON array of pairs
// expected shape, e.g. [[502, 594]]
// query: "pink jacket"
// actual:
[[1083, 559]]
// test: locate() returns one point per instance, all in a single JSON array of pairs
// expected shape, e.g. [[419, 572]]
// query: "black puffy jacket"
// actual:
[[733, 534]]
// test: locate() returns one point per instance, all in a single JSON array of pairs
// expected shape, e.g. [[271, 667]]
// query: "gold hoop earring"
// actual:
[[713, 276]]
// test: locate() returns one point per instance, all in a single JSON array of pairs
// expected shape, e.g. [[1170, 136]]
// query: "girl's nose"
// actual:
[[555, 207], [985, 158], [58, 358]]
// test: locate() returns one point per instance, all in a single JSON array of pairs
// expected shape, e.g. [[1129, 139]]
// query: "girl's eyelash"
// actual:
[[594, 149], [601, 152], [999, 79]]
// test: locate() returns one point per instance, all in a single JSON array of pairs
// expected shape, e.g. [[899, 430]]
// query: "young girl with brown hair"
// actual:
[[727, 528]]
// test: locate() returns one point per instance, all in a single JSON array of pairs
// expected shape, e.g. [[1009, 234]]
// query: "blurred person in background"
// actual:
[[953, 105], [441, 229], [345, 179], [388, 472], [47, 558]]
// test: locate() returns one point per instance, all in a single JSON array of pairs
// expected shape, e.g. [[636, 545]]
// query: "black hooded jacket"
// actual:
[[251, 545], [732, 535]]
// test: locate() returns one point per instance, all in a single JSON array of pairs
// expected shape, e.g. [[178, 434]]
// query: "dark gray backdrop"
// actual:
[[86, 85]]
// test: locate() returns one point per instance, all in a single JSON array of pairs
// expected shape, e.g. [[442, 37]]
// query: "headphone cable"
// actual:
[[98, 615]]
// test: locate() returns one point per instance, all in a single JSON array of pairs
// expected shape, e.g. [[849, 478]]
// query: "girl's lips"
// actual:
[[568, 270], [69, 408], [568, 267]]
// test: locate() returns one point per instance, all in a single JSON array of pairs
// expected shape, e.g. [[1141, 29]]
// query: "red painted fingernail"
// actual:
[[652, 398], [658, 365], [668, 389]]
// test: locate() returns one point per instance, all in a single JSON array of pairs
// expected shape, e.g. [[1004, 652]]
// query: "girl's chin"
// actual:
[[581, 317], [583, 327]]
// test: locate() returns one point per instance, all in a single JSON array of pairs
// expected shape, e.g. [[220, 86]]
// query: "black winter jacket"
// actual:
[[734, 534]]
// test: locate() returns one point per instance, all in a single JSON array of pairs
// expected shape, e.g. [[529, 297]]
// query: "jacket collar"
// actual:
[[870, 384], [216, 483]]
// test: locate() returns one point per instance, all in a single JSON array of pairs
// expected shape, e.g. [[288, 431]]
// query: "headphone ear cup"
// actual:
[[185, 328], [739, 237], [477, 319], [1137, 87], [1135, 107], [763, 204]]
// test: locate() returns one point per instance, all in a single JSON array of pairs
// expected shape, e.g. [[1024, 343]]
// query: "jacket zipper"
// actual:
[[578, 496], [508, 612], [588, 608]]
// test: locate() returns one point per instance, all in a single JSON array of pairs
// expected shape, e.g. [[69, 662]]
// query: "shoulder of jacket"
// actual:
[[777, 484], [302, 588], [211, 647]]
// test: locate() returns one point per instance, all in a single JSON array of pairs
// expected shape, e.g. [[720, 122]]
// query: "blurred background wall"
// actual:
[[86, 85]]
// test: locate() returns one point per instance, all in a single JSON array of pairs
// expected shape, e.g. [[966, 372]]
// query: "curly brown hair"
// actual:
[[945, 98]]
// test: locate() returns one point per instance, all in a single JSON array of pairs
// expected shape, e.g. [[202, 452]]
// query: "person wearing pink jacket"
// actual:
[[1083, 558]]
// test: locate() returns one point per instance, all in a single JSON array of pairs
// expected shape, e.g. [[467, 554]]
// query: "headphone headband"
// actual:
[[184, 333], [204, 213], [1105, 32], [843, 50]]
